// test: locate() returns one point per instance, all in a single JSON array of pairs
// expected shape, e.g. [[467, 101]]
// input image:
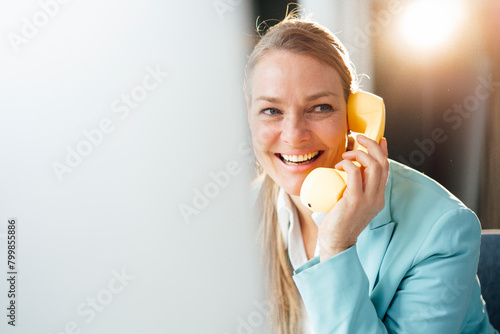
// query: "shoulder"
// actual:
[[425, 210], [415, 192], [419, 187]]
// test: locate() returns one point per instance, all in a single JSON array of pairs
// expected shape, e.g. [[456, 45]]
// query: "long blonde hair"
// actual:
[[299, 36]]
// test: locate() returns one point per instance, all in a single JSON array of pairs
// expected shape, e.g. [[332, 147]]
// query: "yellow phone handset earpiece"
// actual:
[[324, 187]]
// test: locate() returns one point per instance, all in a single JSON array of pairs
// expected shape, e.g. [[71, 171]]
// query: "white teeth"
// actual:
[[299, 158]]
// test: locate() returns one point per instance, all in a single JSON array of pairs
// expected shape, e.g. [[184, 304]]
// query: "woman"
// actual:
[[398, 253]]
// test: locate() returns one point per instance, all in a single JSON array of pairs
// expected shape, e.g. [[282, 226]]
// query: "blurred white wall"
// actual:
[[125, 155]]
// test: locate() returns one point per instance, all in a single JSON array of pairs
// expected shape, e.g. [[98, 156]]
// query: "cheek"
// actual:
[[335, 136], [338, 139]]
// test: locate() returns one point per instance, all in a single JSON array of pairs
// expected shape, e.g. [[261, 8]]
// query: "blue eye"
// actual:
[[271, 111], [323, 108]]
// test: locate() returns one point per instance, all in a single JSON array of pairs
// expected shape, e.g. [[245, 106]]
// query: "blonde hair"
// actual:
[[304, 36], [298, 36]]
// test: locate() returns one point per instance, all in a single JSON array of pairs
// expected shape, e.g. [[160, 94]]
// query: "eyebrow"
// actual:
[[321, 94], [309, 98]]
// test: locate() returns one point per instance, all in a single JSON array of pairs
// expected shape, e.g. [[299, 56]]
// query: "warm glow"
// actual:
[[427, 24]]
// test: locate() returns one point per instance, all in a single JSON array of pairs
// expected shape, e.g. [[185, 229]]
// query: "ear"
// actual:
[[350, 141]]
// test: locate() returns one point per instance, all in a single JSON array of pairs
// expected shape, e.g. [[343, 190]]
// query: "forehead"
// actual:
[[281, 73]]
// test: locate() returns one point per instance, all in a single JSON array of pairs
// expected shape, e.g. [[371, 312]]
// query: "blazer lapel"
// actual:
[[373, 241], [371, 249]]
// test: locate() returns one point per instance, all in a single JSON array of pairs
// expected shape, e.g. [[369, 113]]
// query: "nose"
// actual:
[[295, 130]]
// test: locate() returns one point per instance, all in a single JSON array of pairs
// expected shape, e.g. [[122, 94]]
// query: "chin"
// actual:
[[292, 189], [290, 182]]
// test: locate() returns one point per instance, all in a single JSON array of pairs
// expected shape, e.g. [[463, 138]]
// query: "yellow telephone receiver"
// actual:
[[324, 187]]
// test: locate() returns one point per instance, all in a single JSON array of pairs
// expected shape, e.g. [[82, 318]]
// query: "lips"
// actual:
[[302, 159]]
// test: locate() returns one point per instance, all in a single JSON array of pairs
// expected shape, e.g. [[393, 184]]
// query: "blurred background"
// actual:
[[436, 63], [127, 158]]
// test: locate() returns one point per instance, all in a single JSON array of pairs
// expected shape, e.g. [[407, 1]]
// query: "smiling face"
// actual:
[[297, 116]]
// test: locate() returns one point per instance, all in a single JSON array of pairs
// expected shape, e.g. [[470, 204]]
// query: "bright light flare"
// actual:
[[427, 24]]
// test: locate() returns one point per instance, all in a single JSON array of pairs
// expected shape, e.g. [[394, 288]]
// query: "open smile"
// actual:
[[302, 159]]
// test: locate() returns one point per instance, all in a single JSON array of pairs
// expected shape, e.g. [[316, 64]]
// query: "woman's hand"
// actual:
[[363, 198]]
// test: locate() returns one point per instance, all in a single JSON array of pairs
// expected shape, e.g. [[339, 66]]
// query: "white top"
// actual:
[[292, 237]]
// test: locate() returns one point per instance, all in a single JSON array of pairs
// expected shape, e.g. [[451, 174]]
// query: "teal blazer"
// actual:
[[413, 269]]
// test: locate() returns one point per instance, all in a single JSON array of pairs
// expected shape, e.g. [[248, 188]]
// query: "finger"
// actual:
[[365, 159], [374, 149], [385, 162], [354, 178], [385, 165], [379, 153], [383, 145], [373, 175]]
